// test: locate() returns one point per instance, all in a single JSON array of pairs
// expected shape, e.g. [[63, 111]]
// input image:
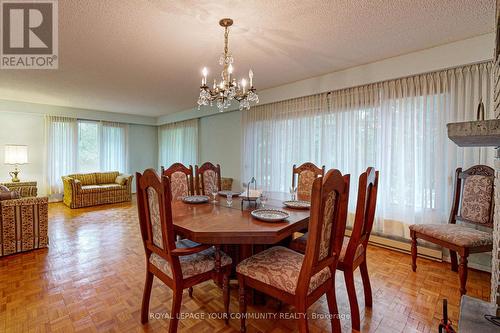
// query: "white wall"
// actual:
[[143, 149], [220, 142], [24, 129]]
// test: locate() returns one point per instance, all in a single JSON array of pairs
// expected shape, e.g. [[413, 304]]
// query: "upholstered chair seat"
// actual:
[[191, 265], [455, 234], [299, 244], [472, 205], [280, 267]]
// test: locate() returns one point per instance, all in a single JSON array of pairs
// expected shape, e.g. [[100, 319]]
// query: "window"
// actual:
[[88, 146], [84, 146], [179, 143]]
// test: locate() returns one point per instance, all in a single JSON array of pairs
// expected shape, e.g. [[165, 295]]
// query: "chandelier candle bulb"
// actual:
[[229, 88]]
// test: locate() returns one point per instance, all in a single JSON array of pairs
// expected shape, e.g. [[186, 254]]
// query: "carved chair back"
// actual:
[[207, 178], [329, 200], [181, 180], [365, 213], [155, 217], [473, 196], [303, 177]]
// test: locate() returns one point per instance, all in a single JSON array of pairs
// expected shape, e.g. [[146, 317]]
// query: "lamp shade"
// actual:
[[16, 154]]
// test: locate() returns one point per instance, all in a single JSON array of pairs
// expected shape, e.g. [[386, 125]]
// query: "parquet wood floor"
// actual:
[[91, 280]]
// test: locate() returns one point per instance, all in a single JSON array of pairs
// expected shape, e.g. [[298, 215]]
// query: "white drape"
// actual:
[[114, 147], [61, 140], [178, 142], [398, 126]]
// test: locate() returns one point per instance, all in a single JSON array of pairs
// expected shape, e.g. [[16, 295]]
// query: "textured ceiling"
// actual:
[[144, 57]]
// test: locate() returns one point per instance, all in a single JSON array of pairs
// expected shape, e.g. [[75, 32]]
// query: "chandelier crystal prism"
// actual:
[[228, 88]]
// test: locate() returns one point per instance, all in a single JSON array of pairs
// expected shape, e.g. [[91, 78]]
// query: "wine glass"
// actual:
[[229, 199], [263, 199], [214, 194], [293, 192]]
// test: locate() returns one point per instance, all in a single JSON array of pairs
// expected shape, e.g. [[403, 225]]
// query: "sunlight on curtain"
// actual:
[[398, 126], [178, 143], [61, 141], [114, 147]]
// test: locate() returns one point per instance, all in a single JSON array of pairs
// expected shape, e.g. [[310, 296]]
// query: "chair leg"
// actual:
[[366, 283], [146, 296], [462, 272], [225, 291], [190, 292], [176, 309], [353, 300], [333, 309], [414, 252], [454, 261], [303, 327], [243, 303]]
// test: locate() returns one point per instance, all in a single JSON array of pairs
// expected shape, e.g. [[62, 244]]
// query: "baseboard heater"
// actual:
[[403, 246]]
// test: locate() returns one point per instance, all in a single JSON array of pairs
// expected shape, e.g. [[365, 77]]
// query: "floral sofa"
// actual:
[[23, 222], [90, 189]]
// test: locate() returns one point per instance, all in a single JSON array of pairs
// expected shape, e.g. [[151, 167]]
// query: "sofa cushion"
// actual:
[[101, 188], [121, 180], [106, 177], [85, 178], [9, 195]]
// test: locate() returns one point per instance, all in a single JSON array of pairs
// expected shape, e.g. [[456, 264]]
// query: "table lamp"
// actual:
[[16, 155]]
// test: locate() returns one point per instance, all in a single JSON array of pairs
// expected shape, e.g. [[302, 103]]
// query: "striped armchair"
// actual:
[[23, 225], [91, 189]]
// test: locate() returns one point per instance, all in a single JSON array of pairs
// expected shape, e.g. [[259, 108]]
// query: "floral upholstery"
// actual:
[[476, 199], [193, 264], [23, 225], [280, 267], [209, 181], [304, 184], [154, 215], [455, 234], [179, 185], [299, 244], [326, 231]]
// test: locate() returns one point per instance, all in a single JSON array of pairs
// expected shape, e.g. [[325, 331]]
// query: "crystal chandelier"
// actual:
[[228, 89]]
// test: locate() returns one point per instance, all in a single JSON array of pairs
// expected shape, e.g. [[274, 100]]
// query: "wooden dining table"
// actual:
[[220, 224]]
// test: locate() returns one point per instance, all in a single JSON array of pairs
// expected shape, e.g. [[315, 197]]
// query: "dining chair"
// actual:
[[297, 279], [303, 177], [472, 205], [353, 252], [181, 264], [181, 180], [207, 178]]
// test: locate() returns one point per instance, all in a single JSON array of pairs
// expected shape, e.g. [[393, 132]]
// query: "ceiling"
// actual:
[[145, 56]]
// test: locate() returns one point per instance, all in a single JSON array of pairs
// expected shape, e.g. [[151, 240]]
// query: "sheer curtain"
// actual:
[[61, 139], [178, 142], [113, 152], [398, 126]]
